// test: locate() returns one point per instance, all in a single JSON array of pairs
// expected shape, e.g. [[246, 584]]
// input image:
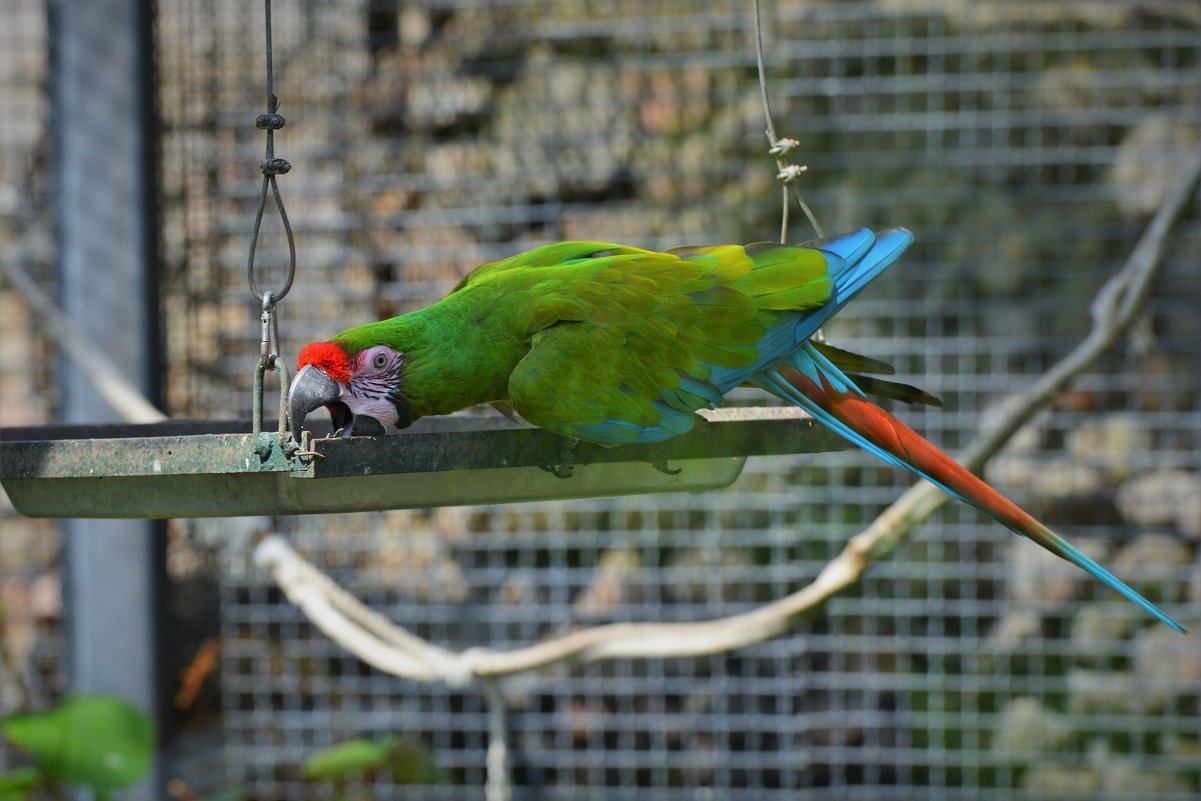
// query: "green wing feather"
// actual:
[[554, 257], [627, 339]]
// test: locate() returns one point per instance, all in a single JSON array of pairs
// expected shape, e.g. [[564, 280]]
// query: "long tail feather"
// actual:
[[821, 389]]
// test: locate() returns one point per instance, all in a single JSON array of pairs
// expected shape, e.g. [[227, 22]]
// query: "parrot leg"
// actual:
[[566, 466], [661, 465]]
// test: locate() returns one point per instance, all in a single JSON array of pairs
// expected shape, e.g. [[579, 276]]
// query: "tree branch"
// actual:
[[498, 787], [101, 371]]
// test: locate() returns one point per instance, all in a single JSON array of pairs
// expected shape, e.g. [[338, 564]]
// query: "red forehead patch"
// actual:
[[328, 357]]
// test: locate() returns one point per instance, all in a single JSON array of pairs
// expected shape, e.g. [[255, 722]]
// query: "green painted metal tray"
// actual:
[[218, 469]]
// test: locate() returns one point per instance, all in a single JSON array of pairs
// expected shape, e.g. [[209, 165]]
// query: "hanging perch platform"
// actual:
[[217, 469]]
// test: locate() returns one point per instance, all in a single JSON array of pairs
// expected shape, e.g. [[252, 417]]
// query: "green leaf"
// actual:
[[349, 759], [407, 761], [17, 785], [412, 763], [92, 740]]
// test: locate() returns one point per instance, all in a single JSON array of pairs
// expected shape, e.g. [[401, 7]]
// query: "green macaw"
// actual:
[[615, 345]]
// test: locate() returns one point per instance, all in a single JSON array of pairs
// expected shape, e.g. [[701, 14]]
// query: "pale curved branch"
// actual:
[[394, 650], [95, 365]]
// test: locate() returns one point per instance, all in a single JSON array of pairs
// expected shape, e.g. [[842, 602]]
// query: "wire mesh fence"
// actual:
[[1026, 144]]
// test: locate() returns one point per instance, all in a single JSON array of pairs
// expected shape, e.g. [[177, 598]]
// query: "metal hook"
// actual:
[[269, 360], [265, 349]]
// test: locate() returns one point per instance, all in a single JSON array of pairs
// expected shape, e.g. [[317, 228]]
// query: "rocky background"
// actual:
[[1026, 144]]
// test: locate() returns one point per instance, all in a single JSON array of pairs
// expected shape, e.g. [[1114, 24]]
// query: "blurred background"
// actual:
[[1025, 143]]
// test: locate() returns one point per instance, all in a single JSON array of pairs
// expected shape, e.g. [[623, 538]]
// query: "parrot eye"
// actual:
[[380, 361]]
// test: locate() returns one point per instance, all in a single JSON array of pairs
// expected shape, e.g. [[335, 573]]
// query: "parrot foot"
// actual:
[[309, 453], [661, 466], [566, 466], [303, 449]]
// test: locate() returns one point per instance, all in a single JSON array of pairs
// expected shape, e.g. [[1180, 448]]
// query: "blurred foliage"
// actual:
[[93, 741], [404, 760]]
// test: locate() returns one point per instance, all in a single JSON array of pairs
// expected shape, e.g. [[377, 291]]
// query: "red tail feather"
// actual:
[[878, 431], [891, 435]]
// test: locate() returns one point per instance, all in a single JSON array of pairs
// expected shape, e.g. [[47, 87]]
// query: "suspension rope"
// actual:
[[787, 174], [271, 167]]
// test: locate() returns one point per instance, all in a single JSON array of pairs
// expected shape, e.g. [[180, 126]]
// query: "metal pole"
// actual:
[[107, 246]]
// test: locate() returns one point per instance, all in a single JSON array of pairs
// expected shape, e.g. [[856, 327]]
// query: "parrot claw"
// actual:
[[566, 466], [558, 471], [309, 453], [661, 466]]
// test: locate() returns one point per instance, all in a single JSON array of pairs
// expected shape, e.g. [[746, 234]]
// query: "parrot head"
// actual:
[[362, 389]]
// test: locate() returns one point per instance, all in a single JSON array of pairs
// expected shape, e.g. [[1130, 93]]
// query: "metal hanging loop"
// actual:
[[271, 167]]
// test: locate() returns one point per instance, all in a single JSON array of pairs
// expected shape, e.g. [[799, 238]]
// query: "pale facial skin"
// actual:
[[376, 377]]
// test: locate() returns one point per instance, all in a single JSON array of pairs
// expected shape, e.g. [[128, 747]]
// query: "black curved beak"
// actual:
[[311, 389]]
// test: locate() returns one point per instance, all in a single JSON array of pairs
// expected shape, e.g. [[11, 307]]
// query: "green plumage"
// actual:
[[579, 333]]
